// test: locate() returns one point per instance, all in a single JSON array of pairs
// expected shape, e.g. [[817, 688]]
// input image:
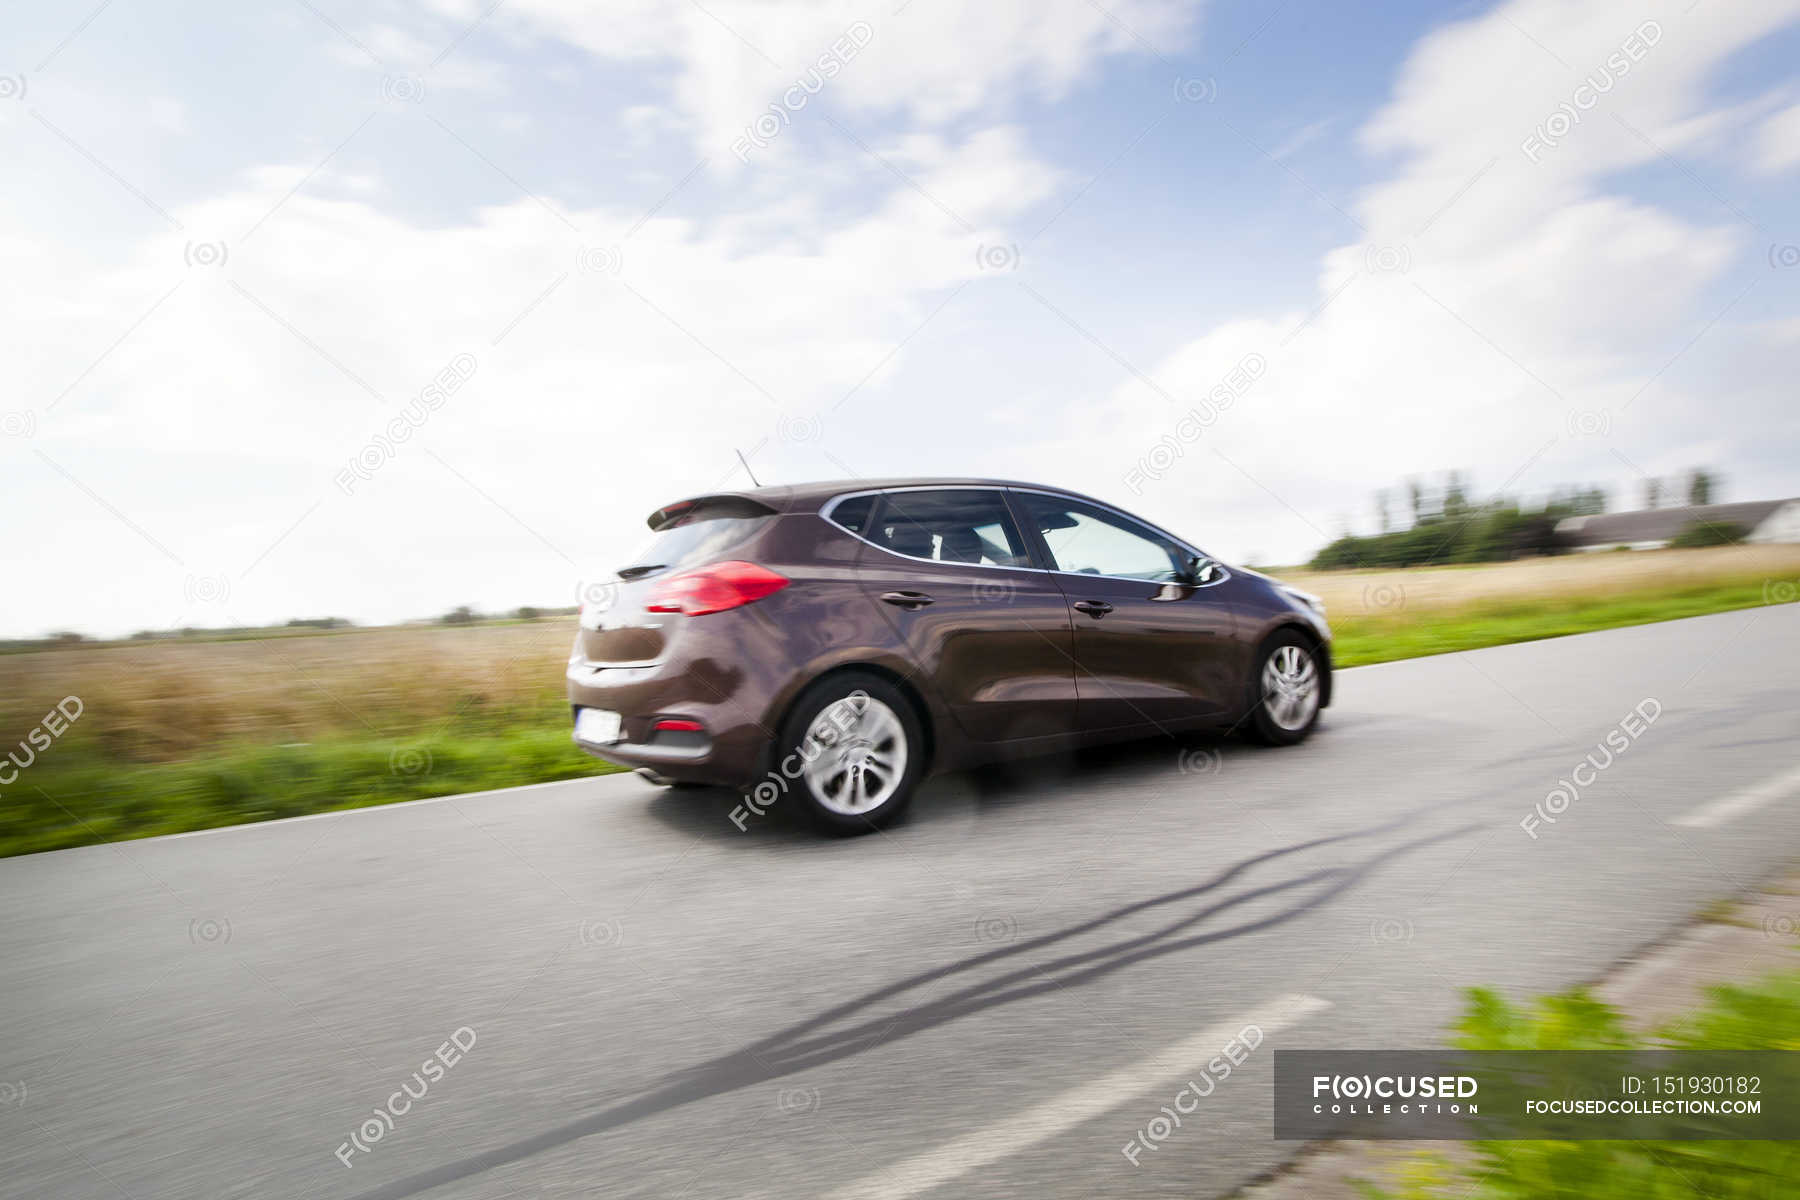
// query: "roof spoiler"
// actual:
[[721, 504]]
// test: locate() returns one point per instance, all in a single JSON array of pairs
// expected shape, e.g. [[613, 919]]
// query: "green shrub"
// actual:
[[1709, 533], [1763, 1016]]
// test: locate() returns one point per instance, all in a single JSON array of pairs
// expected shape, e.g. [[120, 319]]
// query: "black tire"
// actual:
[[834, 775], [1271, 715]]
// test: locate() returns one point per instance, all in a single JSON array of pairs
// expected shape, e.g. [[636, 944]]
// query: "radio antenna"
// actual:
[[746, 462]]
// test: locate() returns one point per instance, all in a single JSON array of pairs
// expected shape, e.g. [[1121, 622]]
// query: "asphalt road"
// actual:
[[991, 1000]]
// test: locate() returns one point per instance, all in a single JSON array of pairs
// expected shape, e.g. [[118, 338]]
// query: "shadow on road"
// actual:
[[708, 811], [845, 1030]]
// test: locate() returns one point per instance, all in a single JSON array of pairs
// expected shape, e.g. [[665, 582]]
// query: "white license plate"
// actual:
[[597, 726]]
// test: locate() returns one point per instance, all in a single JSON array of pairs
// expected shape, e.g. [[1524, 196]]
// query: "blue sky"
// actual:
[[1022, 239]]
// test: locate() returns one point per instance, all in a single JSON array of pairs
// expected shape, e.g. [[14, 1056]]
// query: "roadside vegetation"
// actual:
[[196, 732], [1762, 1016], [215, 727], [1380, 616], [1421, 525]]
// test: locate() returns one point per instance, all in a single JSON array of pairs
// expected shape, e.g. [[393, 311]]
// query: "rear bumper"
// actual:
[[727, 752], [662, 749]]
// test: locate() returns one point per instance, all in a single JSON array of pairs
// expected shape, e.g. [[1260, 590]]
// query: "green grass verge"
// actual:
[[1362, 640], [1763, 1016], [78, 795], [75, 796]]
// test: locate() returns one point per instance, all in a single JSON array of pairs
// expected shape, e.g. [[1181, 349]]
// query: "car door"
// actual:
[[953, 573], [1154, 646]]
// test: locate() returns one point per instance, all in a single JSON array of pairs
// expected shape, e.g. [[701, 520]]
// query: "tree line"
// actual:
[[1420, 524]]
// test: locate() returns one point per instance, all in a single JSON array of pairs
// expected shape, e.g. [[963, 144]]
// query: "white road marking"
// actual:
[[1070, 1108], [1717, 812]]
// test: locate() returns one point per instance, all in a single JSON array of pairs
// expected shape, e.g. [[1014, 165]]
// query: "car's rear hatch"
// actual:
[[616, 628]]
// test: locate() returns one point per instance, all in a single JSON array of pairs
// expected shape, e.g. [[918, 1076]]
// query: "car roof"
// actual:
[[807, 497]]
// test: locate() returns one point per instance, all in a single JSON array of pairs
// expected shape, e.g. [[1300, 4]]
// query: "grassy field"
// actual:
[[194, 733], [183, 735], [1379, 616]]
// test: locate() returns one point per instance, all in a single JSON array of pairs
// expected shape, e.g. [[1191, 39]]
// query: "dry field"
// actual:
[[1575, 577], [160, 701]]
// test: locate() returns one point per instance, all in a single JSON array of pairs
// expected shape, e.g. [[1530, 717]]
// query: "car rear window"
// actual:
[[692, 540], [853, 514]]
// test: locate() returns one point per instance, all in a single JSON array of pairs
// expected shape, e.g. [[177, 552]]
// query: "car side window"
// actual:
[[853, 514], [949, 525], [1086, 540]]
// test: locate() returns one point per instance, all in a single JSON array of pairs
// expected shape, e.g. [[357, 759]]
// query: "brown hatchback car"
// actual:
[[837, 641]]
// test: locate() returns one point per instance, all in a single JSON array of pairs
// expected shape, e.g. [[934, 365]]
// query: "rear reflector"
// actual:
[[714, 589], [679, 725]]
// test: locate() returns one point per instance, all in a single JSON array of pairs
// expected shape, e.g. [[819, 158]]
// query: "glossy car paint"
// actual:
[[999, 664]]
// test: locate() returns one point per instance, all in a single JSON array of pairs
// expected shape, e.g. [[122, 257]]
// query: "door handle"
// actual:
[[1093, 608], [906, 600]]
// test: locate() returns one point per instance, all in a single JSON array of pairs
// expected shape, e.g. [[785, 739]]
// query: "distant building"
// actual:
[[1652, 529]]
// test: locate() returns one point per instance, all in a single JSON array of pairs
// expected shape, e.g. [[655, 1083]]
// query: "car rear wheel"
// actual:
[[859, 751], [1285, 690]]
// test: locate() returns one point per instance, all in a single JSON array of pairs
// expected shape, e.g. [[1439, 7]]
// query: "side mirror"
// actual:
[[1202, 571]]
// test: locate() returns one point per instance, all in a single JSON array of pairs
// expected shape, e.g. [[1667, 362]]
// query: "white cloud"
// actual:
[[612, 372], [1496, 312], [1778, 141], [424, 61], [931, 60], [1301, 138], [1492, 297]]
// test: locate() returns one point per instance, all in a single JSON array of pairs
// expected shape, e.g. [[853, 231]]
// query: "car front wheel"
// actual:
[[1285, 691]]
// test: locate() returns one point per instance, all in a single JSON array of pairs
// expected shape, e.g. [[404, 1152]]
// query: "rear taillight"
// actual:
[[714, 589]]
